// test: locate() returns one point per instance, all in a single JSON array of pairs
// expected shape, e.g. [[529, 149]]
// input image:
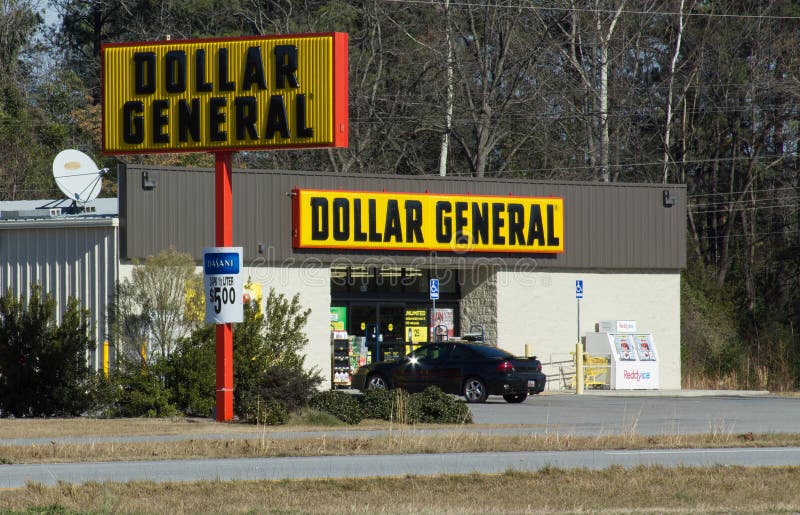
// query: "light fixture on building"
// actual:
[[667, 198]]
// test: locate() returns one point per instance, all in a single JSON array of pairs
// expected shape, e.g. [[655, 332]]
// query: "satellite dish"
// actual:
[[77, 176]]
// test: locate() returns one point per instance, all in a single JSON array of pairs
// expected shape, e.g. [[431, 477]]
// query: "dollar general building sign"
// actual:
[[427, 222], [225, 94]]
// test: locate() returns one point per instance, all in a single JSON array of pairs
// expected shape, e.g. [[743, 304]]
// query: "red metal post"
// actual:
[[223, 202]]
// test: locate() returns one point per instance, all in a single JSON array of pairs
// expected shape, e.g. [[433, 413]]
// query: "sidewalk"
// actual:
[[665, 393]]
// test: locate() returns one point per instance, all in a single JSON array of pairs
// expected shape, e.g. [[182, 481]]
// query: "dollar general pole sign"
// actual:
[[221, 95]]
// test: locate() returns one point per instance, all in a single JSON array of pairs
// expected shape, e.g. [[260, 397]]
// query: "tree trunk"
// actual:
[[448, 111], [668, 122]]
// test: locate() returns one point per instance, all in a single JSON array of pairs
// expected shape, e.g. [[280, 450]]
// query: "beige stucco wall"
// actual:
[[314, 286], [540, 309]]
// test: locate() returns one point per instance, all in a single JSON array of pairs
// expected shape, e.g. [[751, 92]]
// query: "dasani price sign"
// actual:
[[222, 273]]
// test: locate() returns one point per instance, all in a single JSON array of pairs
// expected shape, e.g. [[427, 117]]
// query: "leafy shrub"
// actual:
[[141, 391], [313, 417], [377, 404], [269, 379], [43, 367], [279, 390], [433, 406], [391, 405], [104, 394], [340, 404], [190, 373], [293, 387], [269, 364], [271, 413]]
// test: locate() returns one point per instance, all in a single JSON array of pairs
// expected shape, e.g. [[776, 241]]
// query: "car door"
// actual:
[[453, 368], [418, 370]]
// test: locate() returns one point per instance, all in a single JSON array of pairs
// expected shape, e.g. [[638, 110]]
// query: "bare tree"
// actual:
[[158, 305], [494, 59]]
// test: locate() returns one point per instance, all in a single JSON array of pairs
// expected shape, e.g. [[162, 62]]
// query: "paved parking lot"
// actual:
[[647, 413]]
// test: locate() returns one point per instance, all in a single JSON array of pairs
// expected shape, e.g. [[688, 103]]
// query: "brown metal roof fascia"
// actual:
[[608, 226]]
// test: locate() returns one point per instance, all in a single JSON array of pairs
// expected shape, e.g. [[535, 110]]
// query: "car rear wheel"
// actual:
[[515, 398], [377, 382], [475, 390]]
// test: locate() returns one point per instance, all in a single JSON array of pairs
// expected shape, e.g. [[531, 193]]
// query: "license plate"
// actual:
[[531, 383]]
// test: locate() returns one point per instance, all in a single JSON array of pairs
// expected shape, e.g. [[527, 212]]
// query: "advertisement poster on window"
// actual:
[[442, 327], [416, 323], [338, 318]]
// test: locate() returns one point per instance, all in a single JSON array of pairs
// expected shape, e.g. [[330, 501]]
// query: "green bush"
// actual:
[[268, 362], [313, 417], [43, 366], [292, 387], [377, 404], [271, 413], [141, 391], [104, 393], [340, 404], [190, 373], [391, 405], [280, 391], [433, 406]]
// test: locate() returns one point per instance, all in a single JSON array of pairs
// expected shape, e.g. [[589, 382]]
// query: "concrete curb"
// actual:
[[666, 393]]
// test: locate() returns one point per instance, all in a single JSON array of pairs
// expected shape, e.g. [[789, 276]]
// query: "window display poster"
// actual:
[[338, 318], [442, 327], [644, 346], [625, 347], [416, 325]]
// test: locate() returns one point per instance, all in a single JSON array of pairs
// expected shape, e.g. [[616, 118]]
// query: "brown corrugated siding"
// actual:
[[607, 226]]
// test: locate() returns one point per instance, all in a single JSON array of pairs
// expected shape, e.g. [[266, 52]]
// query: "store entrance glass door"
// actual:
[[392, 324], [382, 327]]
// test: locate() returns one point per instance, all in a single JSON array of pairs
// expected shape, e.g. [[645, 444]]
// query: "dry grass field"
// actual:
[[614, 490], [399, 441], [243, 440]]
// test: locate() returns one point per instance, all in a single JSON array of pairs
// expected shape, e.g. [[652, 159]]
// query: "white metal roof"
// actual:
[[56, 210]]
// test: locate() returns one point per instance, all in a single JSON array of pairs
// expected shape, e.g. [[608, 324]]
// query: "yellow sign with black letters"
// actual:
[[327, 219], [225, 94]]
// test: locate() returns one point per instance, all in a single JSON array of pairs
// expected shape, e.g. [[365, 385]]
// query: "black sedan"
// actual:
[[470, 369]]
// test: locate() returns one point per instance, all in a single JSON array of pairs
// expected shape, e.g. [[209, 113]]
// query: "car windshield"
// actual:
[[491, 352]]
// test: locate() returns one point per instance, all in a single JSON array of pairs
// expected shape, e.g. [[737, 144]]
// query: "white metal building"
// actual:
[[70, 254]]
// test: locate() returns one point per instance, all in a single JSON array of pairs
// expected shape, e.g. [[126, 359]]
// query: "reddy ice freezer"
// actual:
[[634, 359]]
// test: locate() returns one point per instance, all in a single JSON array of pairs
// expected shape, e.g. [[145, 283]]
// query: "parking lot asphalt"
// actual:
[[648, 413]]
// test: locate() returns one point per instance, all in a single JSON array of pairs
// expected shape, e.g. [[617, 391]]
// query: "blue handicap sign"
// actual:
[[434, 289], [579, 289]]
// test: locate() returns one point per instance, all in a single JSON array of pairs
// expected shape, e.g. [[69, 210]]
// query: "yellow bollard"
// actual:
[[578, 368], [105, 358], [527, 350]]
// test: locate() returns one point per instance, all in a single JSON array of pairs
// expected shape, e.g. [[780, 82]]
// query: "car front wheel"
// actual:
[[377, 382], [475, 390], [515, 398]]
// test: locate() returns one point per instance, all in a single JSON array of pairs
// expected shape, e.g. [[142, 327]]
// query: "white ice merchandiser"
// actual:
[[634, 360]]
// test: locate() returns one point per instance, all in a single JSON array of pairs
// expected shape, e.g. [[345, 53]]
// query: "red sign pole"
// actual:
[[223, 202]]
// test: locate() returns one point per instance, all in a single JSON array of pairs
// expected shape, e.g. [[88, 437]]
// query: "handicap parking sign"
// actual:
[[579, 289], [434, 289]]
